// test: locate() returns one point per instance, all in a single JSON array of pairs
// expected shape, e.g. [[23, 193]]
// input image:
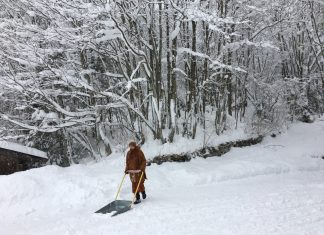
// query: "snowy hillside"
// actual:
[[275, 187]]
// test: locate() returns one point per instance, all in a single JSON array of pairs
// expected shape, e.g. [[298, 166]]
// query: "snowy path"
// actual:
[[276, 187]]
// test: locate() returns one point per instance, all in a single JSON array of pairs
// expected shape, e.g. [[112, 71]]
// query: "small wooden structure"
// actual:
[[15, 157]]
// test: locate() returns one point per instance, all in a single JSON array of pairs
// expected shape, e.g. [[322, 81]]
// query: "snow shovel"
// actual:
[[120, 206]]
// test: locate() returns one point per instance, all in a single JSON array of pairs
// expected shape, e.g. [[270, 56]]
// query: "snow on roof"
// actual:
[[22, 149]]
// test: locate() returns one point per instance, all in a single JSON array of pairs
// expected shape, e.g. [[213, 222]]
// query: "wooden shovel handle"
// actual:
[[139, 182]]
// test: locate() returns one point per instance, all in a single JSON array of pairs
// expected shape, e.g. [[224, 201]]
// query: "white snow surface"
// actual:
[[275, 187], [181, 144], [22, 149]]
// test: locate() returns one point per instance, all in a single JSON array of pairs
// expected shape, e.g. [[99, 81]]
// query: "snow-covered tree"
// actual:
[[78, 77]]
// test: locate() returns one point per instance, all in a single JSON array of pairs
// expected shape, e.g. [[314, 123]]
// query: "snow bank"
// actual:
[[181, 144]]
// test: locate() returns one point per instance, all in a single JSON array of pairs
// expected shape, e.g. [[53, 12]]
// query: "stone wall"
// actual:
[[206, 151]]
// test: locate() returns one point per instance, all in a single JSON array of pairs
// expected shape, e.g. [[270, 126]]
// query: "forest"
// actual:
[[82, 77]]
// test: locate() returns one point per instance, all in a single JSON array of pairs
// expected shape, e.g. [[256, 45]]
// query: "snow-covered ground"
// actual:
[[203, 138], [276, 187]]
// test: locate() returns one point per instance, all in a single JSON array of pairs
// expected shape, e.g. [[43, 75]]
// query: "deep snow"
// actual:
[[276, 187]]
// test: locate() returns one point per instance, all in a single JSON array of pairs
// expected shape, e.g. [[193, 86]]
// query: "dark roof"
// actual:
[[22, 149]]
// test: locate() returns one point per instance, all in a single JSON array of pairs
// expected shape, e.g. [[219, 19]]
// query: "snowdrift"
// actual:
[[275, 187]]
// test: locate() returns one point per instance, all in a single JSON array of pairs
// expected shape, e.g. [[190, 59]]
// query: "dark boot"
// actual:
[[143, 195], [138, 198]]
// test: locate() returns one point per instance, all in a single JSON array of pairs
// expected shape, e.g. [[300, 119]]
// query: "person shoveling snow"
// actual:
[[135, 167]]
